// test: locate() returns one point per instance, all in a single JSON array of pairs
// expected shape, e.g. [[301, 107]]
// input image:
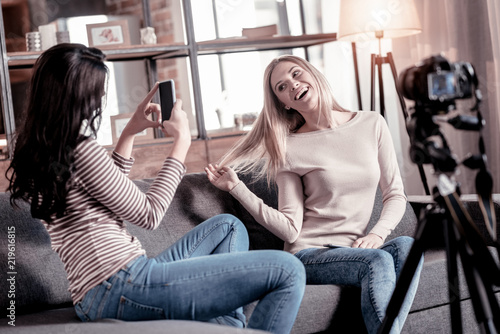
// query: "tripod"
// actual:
[[461, 235], [461, 238]]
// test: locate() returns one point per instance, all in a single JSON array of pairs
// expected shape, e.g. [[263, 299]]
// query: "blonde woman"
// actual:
[[327, 163]]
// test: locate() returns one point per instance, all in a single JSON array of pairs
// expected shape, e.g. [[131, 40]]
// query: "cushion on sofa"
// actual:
[[64, 320], [40, 278]]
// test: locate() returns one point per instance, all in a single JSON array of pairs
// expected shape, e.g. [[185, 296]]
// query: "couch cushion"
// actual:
[[64, 320], [40, 279]]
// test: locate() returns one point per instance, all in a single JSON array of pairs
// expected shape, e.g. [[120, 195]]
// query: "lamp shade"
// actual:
[[369, 19]]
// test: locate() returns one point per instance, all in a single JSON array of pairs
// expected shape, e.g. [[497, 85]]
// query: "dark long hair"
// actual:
[[66, 94]]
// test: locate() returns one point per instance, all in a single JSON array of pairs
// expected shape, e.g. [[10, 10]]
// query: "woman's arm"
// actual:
[[391, 184], [112, 191], [109, 184], [286, 222]]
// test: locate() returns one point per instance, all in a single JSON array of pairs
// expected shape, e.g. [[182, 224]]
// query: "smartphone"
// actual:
[[167, 98]]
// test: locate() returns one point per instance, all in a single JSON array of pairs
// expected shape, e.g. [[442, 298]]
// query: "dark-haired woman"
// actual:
[[83, 198]]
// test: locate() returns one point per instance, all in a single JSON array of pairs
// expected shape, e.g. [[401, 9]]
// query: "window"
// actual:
[[231, 84], [231, 91]]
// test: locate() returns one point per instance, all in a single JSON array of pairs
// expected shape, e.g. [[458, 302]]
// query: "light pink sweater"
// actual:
[[328, 184]]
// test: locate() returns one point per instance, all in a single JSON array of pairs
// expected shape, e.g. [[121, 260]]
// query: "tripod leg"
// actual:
[[495, 308], [379, 60], [477, 263], [450, 235], [479, 293], [390, 59], [405, 278], [372, 96], [356, 74], [402, 286]]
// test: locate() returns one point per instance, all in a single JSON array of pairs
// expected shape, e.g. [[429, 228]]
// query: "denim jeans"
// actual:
[[375, 271], [207, 275]]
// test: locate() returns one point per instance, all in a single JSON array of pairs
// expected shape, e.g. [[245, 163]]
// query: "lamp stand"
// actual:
[[378, 61]]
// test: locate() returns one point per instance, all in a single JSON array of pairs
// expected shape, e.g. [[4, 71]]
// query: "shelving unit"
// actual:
[[192, 49], [134, 52]]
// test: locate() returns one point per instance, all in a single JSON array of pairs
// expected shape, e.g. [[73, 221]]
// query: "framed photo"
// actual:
[[108, 34], [118, 123]]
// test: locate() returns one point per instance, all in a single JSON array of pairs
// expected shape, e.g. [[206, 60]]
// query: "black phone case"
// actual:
[[167, 98]]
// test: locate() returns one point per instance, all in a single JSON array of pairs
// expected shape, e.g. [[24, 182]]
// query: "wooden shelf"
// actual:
[[243, 44], [218, 46], [133, 52]]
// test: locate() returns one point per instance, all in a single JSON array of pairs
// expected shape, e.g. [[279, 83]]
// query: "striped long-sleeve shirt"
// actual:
[[91, 238]]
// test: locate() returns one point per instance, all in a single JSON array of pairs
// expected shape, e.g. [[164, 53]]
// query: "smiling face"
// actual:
[[294, 86]]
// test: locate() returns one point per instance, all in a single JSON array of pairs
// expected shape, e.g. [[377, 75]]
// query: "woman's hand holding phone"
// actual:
[[178, 127], [140, 121]]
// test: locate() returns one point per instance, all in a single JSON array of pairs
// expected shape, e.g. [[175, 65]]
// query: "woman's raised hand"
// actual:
[[140, 120], [178, 125], [223, 178]]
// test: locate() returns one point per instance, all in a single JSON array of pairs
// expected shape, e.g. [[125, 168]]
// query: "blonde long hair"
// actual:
[[262, 151]]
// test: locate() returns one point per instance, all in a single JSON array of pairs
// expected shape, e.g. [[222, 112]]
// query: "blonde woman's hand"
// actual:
[[371, 240], [223, 178]]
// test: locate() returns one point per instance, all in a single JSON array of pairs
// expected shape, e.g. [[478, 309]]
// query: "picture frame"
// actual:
[[118, 123], [109, 34]]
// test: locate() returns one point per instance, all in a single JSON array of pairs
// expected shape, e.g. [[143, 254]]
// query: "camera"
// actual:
[[435, 83]]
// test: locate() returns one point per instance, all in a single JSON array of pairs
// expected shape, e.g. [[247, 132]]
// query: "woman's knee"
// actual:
[[403, 245], [229, 228], [236, 225], [289, 265], [238, 228], [232, 222], [381, 259]]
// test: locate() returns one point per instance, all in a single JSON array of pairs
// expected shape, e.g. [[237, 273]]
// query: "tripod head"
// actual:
[[435, 85]]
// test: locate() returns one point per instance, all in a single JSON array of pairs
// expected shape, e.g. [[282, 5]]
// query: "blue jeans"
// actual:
[[375, 271], [207, 275]]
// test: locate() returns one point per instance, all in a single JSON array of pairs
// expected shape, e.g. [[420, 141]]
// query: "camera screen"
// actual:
[[442, 86]]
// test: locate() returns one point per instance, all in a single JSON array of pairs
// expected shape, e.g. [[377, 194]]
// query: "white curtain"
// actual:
[[462, 30]]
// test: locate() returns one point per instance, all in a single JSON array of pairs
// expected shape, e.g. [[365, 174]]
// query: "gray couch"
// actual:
[[43, 304]]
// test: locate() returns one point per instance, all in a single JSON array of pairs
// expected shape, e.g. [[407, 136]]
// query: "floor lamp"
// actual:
[[364, 20]]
